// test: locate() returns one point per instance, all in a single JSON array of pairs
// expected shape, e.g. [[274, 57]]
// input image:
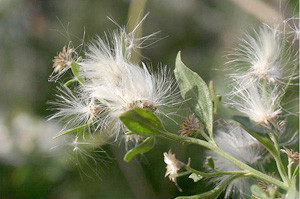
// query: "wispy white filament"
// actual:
[[261, 56], [260, 103], [238, 143]]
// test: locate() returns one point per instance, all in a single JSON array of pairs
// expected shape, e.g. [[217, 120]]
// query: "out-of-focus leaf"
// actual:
[[258, 192], [76, 71], [195, 91], [195, 177], [79, 128], [143, 147], [142, 122]]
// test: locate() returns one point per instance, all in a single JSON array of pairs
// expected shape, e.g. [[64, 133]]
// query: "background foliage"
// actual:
[[32, 31]]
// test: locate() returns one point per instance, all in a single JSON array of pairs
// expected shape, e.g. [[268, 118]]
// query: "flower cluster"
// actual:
[[107, 84]]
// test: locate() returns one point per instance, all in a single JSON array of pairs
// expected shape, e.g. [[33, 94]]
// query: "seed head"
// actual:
[[293, 156], [190, 125], [173, 165], [63, 59]]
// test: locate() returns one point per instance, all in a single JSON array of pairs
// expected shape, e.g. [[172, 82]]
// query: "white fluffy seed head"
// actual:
[[122, 85], [260, 103], [262, 56], [238, 143], [77, 108]]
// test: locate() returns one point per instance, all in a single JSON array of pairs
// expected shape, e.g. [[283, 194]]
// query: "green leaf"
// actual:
[[195, 177], [210, 162], [195, 91], [258, 192], [144, 147], [214, 193], [76, 71], [76, 129], [71, 81], [142, 122]]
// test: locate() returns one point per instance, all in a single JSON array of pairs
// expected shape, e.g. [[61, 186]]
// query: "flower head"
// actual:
[[262, 56], [122, 85], [75, 107], [173, 165], [190, 125], [293, 156], [260, 104]]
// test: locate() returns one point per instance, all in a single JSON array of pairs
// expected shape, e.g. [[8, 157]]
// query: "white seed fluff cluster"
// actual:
[[113, 85], [263, 64], [238, 143]]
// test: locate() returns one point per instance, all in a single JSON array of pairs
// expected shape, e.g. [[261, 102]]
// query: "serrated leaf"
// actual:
[[195, 91], [142, 122], [214, 193], [210, 162], [143, 147], [69, 131], [258, 192], [195, 177]]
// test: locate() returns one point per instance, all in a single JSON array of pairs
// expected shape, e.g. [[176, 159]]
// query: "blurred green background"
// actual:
[[32, 165]]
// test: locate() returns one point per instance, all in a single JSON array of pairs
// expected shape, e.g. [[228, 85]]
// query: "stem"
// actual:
[[290, 170], [214, 174], [235, 161], [136, 10], [277, 158]]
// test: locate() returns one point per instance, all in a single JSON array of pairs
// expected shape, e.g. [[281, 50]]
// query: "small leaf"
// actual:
[[76, 129], [214, 193], [195, 91], [144, 147], [258, 192], [76, 71], [210, 162], [195, 177], [71, 81], [142, 122]]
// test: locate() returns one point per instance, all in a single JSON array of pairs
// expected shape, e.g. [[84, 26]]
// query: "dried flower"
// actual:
[[63, 59], [190, 125], [293, 156], [173, 165]]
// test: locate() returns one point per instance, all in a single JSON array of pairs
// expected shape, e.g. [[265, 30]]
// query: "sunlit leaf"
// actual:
[[195, 91], [143, 147], [142, 122], [195, 177]]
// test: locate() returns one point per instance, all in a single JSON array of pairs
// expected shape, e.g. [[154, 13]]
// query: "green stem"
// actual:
[[276, 155], [214, 174], [290, 170], [235, 161]]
